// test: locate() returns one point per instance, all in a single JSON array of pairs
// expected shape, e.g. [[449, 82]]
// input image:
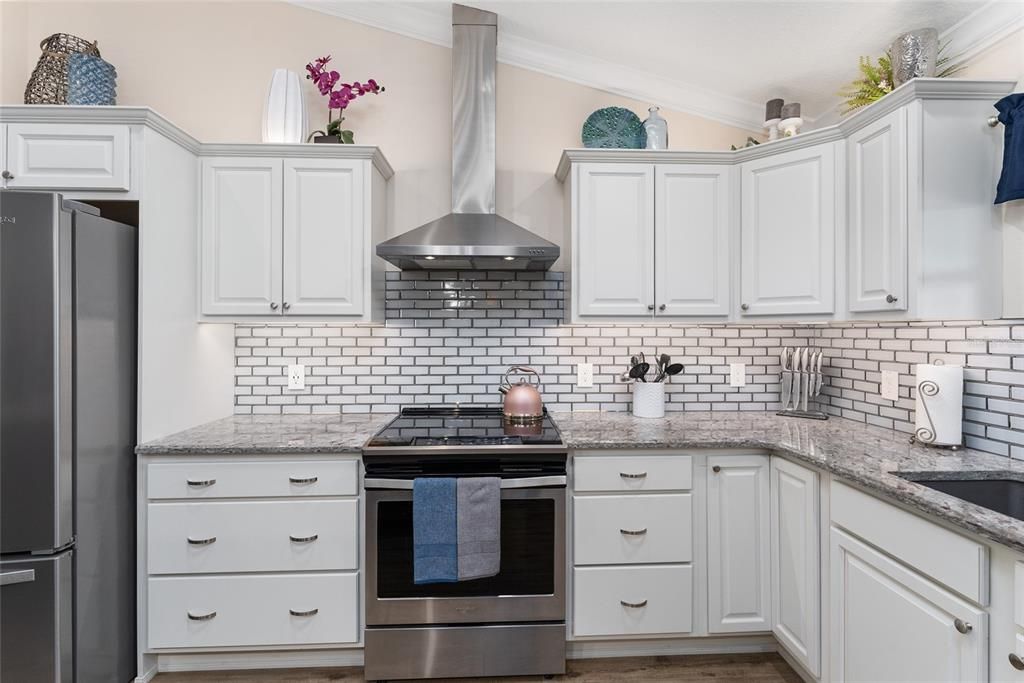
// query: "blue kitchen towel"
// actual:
[[434, 530], [1011, 115]]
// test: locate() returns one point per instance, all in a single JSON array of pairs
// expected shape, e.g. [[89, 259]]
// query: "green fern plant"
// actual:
[[876, 80]]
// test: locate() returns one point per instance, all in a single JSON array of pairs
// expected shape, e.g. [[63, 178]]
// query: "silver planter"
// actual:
[[914, 54]]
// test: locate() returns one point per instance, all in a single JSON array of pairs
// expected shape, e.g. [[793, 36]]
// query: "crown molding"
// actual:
[[413, 21], [983, 28], [917, 89]]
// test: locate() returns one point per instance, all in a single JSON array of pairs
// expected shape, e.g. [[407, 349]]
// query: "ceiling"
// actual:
[[721, 59]]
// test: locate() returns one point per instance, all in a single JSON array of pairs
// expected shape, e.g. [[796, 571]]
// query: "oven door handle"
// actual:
[[521, 483]]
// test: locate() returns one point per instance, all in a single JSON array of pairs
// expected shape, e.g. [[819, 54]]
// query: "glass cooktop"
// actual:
[[463, 427]]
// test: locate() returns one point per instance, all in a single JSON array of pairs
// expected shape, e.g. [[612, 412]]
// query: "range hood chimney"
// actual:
[[472, 236]]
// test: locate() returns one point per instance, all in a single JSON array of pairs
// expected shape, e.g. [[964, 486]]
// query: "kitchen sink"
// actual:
[[999, 491]]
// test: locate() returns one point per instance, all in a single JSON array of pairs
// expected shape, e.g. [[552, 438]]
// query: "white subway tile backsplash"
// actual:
[[450, 336]]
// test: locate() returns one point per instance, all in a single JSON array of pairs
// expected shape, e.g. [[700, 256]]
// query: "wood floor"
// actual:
[[746, 668]]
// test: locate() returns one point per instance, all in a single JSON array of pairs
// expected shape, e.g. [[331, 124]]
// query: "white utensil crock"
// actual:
[[648, 399]]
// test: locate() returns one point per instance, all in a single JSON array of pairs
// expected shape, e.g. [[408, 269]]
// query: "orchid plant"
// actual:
[[339, 95]]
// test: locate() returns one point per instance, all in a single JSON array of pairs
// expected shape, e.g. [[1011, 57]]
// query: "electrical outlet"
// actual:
[[890, 385], [737, 374], [585, 375], [296, 377]]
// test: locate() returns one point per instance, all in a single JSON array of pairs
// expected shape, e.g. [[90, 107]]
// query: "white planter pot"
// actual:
[[284, 115], [649, 399]]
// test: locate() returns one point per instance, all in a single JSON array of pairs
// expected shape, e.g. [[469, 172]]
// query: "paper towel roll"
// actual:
[[940, 404]]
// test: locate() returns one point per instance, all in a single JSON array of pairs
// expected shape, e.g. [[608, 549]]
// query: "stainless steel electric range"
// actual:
[[509, 624]]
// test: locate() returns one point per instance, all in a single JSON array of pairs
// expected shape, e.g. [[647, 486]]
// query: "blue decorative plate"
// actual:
[[613, 127]]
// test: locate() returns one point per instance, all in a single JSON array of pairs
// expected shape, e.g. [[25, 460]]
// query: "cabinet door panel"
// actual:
[[692, 240], [796, 588], [739, 537], [73, 156], [890, 623], [241, 236], [324, 225], [614, 261], [788, 232], [877, 200]]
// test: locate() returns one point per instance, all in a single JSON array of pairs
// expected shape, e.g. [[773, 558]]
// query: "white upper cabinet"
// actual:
[[796, 585], [324, 237], [241, 236], [788, 226], [739, 533], [691, 239], [876, 158], [291, 236], [613, 258], [73, 156]]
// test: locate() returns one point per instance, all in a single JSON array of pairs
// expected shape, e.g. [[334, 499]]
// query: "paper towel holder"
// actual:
[[926, 435]]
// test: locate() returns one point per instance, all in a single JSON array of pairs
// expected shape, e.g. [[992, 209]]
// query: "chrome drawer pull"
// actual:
[[306, 480], [304, 539], [632, 532], [1016, 662], [962, 626], [307, 613], [202, 617], [636, 605], [201, 483], [627, 475], [201, 541]]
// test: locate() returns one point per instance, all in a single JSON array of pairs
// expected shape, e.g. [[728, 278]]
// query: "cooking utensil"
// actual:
[[673, 369], [522, 400], [639, 370]]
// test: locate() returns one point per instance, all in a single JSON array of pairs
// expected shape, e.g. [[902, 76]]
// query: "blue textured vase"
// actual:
[[91, 80]]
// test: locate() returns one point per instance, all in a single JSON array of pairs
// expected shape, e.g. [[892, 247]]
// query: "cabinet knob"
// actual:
[[744, 307], [273, 305], [716, 469], [650, 307], [286, 305], [890, 299], [661, 307], [7, 175], [1016, 662], [962, 626]]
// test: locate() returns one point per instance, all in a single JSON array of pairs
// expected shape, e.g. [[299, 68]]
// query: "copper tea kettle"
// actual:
[[522, 399]]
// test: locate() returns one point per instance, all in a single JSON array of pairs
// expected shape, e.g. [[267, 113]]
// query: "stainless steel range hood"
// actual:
[[472, 236]]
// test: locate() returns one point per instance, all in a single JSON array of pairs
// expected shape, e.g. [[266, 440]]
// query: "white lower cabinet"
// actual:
[[796, 562], [739, 579], [269, 609], [633, 529], [632, 600], [889, 623]]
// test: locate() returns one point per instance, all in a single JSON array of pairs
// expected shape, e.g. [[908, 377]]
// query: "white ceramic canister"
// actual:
[[649, 399]]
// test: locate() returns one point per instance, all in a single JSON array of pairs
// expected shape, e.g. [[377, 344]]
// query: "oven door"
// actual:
[[529, 587]]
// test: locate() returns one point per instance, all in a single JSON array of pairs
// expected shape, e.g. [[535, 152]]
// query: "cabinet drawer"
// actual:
[[272, 535], [659, 600], [632, 529], [252, 479], [68, 156], [253, 610], [632, 473], [952, 559]]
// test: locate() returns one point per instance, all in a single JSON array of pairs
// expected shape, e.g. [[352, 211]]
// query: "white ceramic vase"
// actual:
[[284, 114], [648, 399]]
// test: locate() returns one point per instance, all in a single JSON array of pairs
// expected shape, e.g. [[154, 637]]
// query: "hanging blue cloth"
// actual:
[[1011, 115]]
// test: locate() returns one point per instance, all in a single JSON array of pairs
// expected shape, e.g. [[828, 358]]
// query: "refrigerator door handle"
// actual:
[[19, 576]]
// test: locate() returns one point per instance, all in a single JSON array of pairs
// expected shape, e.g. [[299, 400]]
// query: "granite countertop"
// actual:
[[856, 453], [268, 434]]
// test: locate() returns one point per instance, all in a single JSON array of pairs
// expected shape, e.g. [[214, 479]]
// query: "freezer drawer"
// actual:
[[35, 619]]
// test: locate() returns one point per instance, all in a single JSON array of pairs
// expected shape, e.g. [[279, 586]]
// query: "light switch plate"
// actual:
[[890, 385], [737, 374], [296, 377], [585, 375]]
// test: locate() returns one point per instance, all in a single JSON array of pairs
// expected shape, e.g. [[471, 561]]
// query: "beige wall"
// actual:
[[206, 65]]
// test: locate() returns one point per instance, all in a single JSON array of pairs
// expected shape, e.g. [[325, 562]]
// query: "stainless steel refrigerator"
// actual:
[[67, 469]]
